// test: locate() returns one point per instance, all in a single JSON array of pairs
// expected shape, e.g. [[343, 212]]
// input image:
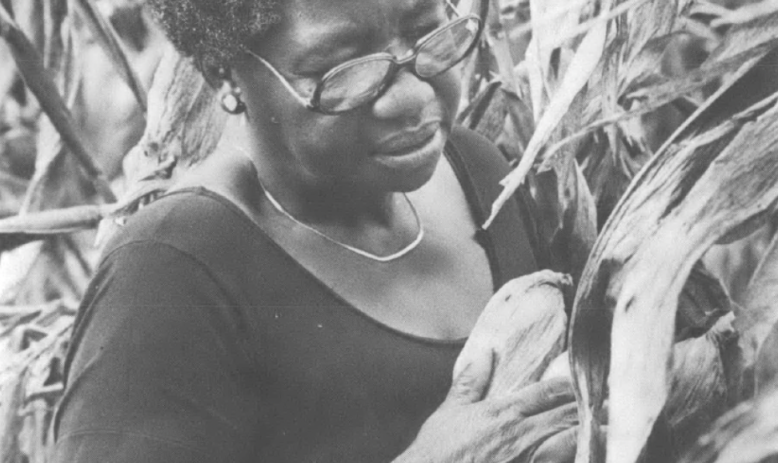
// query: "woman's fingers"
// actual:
[[472, 380], [559, 448], [543, 396], [537, 430]]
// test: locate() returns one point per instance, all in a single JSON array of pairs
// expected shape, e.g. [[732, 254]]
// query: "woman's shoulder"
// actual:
[[193, 221]]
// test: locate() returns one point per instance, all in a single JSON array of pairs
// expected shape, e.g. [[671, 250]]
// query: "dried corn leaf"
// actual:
[[184, 120], [57, 181], [56, 33], [760, 307], [699, 389], [107, 38], [703, 301], [486, 112], [746, 434], [671, 88], [29, 227], [646, 64], [15, 267], [37, 79], [11, 422], [684, 200], [496, 35], [567, 216], [7, 73], [736, 55], [12, 191], [581, 67], [19, 363], [524, 325], [544, 70], [650, 24], [22, 229], [744, 13], [27, 14], [766, 370]]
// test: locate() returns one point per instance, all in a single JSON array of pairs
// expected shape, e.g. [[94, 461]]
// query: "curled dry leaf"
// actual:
[[184, 120], [524, 324], [684, 200]]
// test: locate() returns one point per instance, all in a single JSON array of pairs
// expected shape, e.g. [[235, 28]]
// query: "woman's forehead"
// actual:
[[310, 25], [308, 15]]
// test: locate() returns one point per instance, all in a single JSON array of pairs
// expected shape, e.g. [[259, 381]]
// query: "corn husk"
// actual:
[[524, 325]]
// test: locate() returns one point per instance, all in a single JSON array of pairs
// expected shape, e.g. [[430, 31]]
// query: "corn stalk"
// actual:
[[36, 77]]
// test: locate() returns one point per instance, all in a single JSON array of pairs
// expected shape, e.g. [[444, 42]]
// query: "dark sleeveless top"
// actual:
[[201, 340]]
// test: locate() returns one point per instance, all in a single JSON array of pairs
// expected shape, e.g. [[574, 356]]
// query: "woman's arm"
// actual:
[[156, 371]]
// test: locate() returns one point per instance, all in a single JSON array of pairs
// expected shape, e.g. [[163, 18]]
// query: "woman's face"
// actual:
[[391, 144]]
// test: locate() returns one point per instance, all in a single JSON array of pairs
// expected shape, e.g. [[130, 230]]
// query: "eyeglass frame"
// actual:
[[396, 64]]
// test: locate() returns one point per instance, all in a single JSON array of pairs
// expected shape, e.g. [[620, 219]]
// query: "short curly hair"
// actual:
[[213, 31]]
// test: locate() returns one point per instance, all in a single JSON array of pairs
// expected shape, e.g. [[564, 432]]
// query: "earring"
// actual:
[[231, 102], [229, 93]]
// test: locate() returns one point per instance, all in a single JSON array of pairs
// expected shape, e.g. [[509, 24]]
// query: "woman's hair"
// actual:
[[213, 31]]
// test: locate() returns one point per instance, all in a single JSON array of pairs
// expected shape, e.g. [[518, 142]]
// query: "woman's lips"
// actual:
[[419, 149], [407, 141]]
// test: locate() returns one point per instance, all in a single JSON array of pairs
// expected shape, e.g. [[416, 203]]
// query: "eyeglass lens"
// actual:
[[356, 84]]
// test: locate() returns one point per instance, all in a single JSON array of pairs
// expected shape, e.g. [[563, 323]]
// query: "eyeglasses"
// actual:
[[362, 80]]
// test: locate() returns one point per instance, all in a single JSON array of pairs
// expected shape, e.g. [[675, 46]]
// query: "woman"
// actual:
[[303, 295]]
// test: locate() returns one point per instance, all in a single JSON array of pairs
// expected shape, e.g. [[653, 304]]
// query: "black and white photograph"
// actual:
[[389, 231]]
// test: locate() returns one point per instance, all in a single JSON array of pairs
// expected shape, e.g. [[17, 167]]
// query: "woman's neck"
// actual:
[[331, 204]]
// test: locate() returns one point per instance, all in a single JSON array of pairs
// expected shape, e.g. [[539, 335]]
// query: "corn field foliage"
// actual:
[[643, 132]]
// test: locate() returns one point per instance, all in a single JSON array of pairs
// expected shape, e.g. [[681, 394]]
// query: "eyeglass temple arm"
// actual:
[[453, 7], [283, 80]]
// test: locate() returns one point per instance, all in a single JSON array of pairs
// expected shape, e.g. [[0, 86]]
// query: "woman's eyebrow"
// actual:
[[422, 8], [320, 42]]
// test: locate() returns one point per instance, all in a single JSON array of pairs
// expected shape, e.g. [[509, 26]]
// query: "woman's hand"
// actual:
[[535, 424]]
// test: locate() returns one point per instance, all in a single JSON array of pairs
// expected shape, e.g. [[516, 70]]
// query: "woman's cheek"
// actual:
[[448, 88]]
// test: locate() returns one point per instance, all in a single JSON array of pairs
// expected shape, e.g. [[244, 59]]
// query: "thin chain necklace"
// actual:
[[361, 252]]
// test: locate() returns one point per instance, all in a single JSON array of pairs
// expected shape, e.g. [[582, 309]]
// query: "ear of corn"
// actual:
[[524, 325]]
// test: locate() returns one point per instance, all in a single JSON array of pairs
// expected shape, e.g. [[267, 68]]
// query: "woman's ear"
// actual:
[[214, 74], [229, 94]]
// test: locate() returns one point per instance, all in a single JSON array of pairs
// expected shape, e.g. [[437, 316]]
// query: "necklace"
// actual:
[[361, 252]]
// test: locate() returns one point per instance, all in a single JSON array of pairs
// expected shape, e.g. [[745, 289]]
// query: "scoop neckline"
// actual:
[[471, 197]]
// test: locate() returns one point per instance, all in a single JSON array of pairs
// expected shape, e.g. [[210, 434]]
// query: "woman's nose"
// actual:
[[406, 96]]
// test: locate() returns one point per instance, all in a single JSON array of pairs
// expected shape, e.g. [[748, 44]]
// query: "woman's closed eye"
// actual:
[[421, 31]]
